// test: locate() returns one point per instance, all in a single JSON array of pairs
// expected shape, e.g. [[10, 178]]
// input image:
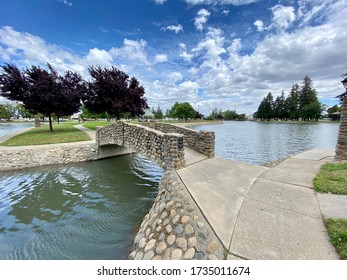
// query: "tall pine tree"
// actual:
[[293, 102], [309, 106]]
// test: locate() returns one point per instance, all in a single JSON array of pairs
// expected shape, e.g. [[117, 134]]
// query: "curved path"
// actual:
[[259, 212]]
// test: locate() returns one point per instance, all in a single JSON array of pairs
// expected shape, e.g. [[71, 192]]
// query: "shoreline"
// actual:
[[193, 124]]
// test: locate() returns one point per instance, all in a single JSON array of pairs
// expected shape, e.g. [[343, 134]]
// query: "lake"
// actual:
[[91, 210], [6, 128], [263, 142]]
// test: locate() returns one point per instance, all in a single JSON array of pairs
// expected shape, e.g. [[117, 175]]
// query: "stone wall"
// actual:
[[341, 147], [165, 149], [201, 141], [175, 228], [31, 156]]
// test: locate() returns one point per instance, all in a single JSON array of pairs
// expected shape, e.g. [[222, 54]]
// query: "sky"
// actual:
[[224, 54]]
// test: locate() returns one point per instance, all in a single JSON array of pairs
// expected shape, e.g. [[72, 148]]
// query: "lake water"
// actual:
[[91, 210], [6, 128], [261, 142], [80, 211]]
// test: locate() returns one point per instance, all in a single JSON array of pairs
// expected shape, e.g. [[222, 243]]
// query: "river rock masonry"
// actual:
[[174, 228]]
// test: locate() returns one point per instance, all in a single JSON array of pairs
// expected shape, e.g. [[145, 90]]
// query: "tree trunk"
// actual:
[[50, 122], [341, 147]]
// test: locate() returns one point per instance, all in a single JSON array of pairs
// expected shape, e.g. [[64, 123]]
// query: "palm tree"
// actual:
[[341, 147]]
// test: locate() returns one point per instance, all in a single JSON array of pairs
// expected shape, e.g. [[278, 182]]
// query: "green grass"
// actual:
[[337, 229], [332, 178], [92, 125], [63, 133]]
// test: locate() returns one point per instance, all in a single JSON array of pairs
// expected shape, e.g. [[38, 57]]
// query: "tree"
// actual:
[[216, 114], [158, 114], [5, 112], [265, 109], [309, 106], [230, 115], [22, 111], [43, 91], [332, 112], [312, 111], [280, 107], [198, 115], [88, 115], [70, 91], [292, 102], [113, 92], [302, 102], [182, 111]]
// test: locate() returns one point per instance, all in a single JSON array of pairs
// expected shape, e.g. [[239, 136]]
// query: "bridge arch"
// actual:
[[165, 149], [160, 142]]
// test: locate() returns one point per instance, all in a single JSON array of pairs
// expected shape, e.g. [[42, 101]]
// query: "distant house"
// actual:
[[335, 116], [75, 116]]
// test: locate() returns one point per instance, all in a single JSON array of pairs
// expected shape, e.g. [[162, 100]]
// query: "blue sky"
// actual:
[[225, 54]]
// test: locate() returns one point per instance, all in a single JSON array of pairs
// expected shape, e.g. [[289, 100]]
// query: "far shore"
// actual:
[[192, 124]]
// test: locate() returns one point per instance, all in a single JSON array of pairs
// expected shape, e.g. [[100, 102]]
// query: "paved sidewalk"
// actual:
[[333, 205], [263, 213], [90, 132]]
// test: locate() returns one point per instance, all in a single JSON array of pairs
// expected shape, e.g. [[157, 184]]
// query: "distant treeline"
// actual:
[[301, 103], [228, 115]]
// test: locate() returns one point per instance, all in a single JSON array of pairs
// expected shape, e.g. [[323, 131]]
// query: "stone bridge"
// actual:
[[162, 143]]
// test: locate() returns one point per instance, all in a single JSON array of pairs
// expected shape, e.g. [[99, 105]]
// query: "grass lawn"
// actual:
[[93, 124], [63, 133], [332, 178], [337, 229]]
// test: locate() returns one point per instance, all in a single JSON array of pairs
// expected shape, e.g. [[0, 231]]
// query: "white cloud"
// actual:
[[27, 49], [283, 16], [201, 19], [174, 77], [184, 54], [225, 12], [232, 80], [259, 24], [159, 58], [104, 30], [98, 58], [65, 2], [175, 28], [132, 51], [211, 47], [182, 45], [160, 2], [220, 66], [220, 2]]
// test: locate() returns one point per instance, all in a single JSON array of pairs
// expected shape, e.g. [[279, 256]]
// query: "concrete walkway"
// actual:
[[90, 132], [263, 213]]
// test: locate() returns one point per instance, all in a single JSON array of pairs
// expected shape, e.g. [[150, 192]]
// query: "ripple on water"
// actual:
[[77, 211]]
